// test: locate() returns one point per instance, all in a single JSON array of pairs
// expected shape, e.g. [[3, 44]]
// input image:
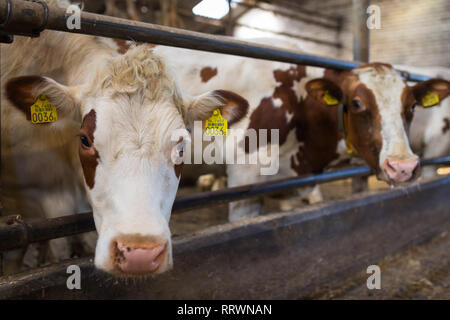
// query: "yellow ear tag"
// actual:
[[216, 125], [42, 111], [329, 99], [430, 100], [350, 149]]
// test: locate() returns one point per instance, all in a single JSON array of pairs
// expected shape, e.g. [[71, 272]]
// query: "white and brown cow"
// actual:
[[430, 129], [378, 106], [112, 146]]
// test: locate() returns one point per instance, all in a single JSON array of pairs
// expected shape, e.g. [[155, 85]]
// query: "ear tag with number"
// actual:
[[216, 125], [430, 100], [350, 149], [42, 111], [329, 99]]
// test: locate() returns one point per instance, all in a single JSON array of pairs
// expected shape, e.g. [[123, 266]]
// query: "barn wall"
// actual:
[[413, 32], [314, 33]]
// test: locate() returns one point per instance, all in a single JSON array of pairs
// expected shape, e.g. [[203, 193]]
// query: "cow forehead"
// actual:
[[386, 85], [127, 125]]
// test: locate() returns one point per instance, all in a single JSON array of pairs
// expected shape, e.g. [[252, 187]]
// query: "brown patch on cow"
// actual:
[[446, 126], [315, 123], [236, 107], [207, 73], [122, 45], [19, 92], [267, 116], [89, 155], [368, 143], [440, 87], [408, 102], [316, 127]]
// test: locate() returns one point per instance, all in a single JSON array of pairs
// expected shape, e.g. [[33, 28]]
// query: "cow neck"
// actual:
[[343, 125], [342, 115]]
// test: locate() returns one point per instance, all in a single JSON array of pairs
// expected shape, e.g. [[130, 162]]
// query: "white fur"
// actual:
[[387, 86], [137, 108], [426, 136]]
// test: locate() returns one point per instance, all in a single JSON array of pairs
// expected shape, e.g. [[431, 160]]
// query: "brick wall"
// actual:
[[413, 32]]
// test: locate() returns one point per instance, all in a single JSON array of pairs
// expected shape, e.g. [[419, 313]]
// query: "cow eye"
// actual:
[[356, 104], [85, 141]]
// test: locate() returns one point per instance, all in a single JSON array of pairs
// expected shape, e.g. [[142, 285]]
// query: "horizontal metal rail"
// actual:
[[18, 17], [17, 233]]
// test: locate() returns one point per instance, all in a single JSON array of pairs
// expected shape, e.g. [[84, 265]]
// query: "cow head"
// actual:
[[378, 109], [130, 161]]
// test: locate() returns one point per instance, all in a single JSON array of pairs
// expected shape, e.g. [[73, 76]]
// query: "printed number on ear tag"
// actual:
[[42, 111], [430, 99], [329, 99], [216, 125]]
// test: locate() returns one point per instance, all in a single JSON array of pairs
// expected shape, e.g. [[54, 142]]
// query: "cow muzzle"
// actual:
[[401, 170], [139, 255]]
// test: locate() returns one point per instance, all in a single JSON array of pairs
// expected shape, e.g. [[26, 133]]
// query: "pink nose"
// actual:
[[139, 258], [401, 170]]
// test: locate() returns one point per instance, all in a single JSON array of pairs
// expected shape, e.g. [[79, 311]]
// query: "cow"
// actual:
[[305, 104], [430, 129], [111, 147]]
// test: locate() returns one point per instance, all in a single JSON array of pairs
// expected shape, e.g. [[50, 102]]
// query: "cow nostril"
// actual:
[[390, 165], [137, 257]]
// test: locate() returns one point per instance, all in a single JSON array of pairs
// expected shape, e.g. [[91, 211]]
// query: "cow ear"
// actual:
[[324, 91], [23, 92], [431, 92], [232, 106]]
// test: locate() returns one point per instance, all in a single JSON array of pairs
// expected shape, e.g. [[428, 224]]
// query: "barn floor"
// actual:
[[421, 272]]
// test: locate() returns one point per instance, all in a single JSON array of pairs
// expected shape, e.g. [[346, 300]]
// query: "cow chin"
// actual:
[[134, 255]]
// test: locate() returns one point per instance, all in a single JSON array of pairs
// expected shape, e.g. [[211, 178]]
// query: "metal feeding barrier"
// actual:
[[30, 18], [19, 17], [16, 233]]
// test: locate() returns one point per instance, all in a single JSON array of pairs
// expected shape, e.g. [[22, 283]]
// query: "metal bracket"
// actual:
[[405, 74], [8, 36], [38, 31]]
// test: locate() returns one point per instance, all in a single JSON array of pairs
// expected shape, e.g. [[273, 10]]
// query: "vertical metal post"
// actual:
[[361, 37], [361, 48], [229, 23]]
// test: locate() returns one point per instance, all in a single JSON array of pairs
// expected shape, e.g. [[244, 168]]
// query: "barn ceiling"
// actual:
[[150, 12]]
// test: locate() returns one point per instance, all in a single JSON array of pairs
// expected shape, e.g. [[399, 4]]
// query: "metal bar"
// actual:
[[20, 234], [361, 32], [99, 25]]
